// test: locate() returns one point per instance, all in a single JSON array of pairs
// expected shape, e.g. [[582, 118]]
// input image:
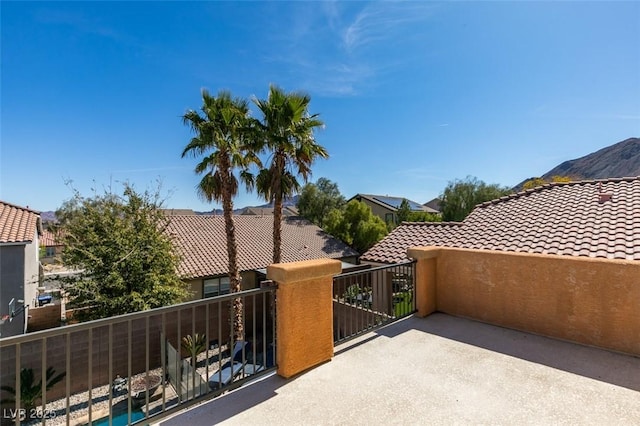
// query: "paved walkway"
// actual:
[[441, 370]]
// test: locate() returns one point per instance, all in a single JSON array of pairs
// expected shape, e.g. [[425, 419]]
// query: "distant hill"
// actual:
[[288, 202], [618, 160], [48, 216]]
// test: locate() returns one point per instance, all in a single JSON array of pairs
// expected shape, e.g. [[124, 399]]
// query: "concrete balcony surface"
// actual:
[[441, 370]]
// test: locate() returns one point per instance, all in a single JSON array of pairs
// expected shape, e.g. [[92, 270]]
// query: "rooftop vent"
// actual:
[[603, 197]]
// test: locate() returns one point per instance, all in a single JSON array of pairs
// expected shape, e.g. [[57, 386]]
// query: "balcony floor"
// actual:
[[441, 370]]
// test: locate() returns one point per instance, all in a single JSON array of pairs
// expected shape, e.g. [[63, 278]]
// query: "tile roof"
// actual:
[[264, 211], [393, 248], [201, 240], [596, 218], [18, 224], [49, 239]]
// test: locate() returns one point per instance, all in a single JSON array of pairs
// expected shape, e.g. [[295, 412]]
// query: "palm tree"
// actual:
[[287, 134], [223, 136], [30, 391]]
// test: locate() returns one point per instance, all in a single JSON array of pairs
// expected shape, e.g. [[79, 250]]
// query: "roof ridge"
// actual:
[[20, 207], [449, 223], [548, 185]]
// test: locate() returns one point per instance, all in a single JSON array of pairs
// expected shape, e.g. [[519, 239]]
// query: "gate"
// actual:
[[368, 299]]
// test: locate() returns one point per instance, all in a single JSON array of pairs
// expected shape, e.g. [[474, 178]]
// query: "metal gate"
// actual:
[[370, 298]]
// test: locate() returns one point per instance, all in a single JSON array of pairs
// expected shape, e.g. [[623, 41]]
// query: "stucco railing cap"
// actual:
[[423, 252], [303, 270]]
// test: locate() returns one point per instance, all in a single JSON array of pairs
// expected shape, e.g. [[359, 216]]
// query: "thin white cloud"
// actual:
[[323, 48], [381, 20]]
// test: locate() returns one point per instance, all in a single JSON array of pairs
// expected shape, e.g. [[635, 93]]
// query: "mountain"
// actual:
[[618, 160], [48, 216], [287, 202]]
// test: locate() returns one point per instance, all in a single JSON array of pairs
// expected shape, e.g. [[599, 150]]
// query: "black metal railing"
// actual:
[[370, 298], [133, 367]]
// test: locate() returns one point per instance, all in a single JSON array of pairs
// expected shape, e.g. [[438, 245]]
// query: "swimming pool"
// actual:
[[120, 419]]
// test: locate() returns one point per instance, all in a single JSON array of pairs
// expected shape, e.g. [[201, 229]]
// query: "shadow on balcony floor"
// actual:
[[610, 367], [441, 370]]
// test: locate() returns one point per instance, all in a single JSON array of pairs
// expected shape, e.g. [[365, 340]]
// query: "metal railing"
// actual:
[[136, 366], [370, 298]]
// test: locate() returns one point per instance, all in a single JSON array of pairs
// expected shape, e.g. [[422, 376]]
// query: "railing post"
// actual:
[[304, 313], [426, 278]]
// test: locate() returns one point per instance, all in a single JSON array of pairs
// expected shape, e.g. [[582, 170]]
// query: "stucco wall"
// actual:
[[304, 312], [378, 210], [12, 284], [31, 271], [590, 301], [195, 287]]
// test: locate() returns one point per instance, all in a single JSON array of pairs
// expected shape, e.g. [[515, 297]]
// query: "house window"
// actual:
[[51, 251], [388, 218], [216, 286]]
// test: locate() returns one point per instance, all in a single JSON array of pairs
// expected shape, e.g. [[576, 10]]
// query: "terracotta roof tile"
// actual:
[[393, 248], [201, 240], [17, 224], [49, 239], [557, 218]]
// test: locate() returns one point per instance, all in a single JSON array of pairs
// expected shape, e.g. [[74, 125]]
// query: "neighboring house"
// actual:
[[51, 248], [386, 207], [268, 211], [434, 204], [201, 241], [596, 218], [20, 229]]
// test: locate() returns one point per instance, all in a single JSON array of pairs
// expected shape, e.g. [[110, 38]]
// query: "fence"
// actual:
[[117, 368], [365, 300]]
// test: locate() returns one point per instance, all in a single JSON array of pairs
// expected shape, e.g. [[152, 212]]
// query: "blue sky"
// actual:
[[413, 94]]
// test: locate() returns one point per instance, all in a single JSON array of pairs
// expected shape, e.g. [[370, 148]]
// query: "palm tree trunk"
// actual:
[[277, 209], [277, 228], [232, 253]]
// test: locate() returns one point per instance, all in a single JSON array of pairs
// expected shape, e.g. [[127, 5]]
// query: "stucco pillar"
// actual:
[[426, 281], [304, 313]]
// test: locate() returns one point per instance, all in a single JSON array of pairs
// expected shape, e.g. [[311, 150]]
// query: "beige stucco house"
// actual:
[[20, 230], [386, 207]]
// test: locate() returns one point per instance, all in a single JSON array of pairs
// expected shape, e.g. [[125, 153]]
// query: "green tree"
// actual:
[[317, 200], [424, 217], [404, 211], [127, 261], [461, 196], [356, 225], [224, 138], [538, 181], [406, 214], [287, 131]]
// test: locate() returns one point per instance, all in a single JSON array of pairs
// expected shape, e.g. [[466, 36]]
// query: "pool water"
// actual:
[[120, 419]]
